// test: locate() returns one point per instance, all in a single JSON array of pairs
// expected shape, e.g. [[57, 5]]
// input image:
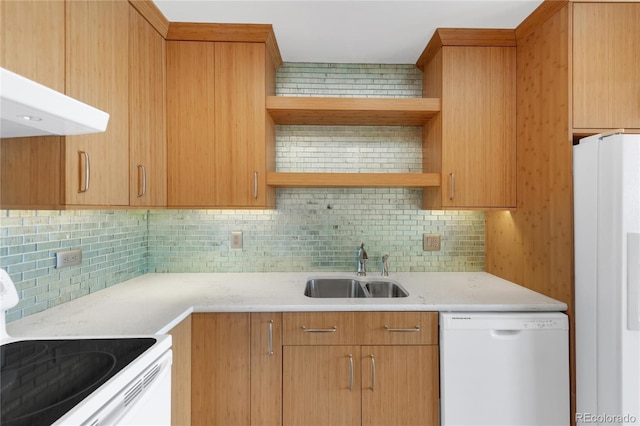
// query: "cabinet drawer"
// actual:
[[319, 328], [398, 328]]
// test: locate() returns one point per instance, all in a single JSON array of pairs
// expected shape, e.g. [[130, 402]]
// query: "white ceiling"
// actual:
[[348, 31]]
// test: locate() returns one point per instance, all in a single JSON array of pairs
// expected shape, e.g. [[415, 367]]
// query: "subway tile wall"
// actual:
[[311, 229], [321, 229], [114, 249]]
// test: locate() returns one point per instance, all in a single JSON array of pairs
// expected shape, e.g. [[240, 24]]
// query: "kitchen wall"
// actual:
[[311, 229], [114, 249]]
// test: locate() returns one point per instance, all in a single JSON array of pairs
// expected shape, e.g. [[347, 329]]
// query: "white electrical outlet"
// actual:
[[68, 258], [431, 242], [236, 239]]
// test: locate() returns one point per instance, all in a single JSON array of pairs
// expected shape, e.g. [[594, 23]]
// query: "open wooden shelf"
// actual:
[[350, 180], [295, 110]]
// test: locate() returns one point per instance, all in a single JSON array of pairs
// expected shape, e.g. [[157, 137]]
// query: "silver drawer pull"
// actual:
[[452, 193], [402, 330], [87, 172], [350, 372], [319, 330], [270, 339], [373, 373]]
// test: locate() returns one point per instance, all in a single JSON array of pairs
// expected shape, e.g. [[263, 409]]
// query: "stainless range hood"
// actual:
[[28, 108]]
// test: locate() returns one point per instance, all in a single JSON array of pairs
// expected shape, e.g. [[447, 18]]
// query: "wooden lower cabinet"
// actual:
[[360, 368], [399, 386], [236, 378], [376, 368], [321, 385], [353, 385], [181, 373]]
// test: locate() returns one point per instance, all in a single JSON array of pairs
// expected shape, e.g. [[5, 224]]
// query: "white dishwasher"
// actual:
[[504, 369]]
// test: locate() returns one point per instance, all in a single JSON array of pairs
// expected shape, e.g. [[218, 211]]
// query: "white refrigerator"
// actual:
[[606, 171]]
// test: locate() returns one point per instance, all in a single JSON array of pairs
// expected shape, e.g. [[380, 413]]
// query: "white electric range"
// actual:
[[82, 381]]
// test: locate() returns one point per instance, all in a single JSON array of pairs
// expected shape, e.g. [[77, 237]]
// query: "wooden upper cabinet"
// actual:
[[97, 39], [473, 141], [79, 48], [31, 169], [190, 111], [32, 40], [606, 87], [219, 134], [147, 124]]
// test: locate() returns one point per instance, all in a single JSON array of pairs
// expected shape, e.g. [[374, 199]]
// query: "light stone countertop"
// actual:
[[154, 303]]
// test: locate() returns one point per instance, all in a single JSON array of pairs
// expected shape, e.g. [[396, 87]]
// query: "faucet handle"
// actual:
[[385, 266]]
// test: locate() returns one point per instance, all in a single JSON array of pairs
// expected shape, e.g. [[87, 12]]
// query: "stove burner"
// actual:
[[57, 380], [43, 380]]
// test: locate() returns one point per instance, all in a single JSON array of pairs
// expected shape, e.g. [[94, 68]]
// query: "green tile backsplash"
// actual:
[[311, 230]]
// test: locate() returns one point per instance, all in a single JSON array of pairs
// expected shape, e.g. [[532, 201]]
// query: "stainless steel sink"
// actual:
[[334, 287], [353, 288], [385, 289]]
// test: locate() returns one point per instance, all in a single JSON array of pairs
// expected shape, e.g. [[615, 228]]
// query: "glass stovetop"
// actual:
[[41, 380]]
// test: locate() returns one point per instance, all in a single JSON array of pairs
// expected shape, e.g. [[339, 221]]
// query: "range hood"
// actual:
[[28, 108]]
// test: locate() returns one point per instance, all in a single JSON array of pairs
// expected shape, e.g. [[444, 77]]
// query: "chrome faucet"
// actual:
[[362, 259], [385, 266]]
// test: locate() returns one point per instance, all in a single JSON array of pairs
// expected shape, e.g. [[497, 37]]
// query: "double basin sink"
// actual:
[[353, 288]]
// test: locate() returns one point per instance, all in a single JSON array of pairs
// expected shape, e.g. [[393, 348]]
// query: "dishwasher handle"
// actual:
[[505, 333]]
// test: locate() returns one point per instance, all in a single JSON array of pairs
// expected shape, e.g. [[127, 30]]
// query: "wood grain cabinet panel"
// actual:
[[606, 87], [320, 328], [218, 128], [321, 385], [371, 375], [400, 385], [266, 369], [97, 73], [398, 328], [31, 169], [221, 377], [147, 123], [181, 373], [236, 369], [80, 48], [473, 141]]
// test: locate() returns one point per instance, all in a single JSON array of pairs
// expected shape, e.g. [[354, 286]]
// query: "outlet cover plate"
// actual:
[[236, 239], [68, 258], [431, 242]]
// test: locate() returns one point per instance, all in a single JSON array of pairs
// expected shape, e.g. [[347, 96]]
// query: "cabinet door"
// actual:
[[221, 362], [606, 87], [30, 168], [400, 385], [190, 124], [239, 124], [181, 373], [97, 44], [266, 368], [321, 385], [478, 127], [147, 124]]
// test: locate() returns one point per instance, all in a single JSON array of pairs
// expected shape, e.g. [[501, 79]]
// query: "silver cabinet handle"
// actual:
[[402, 330], [350, 372], [270, 339], [319, 330], [452, 192], [373, 372], [87, 171], [255, 185], [142, 169]]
